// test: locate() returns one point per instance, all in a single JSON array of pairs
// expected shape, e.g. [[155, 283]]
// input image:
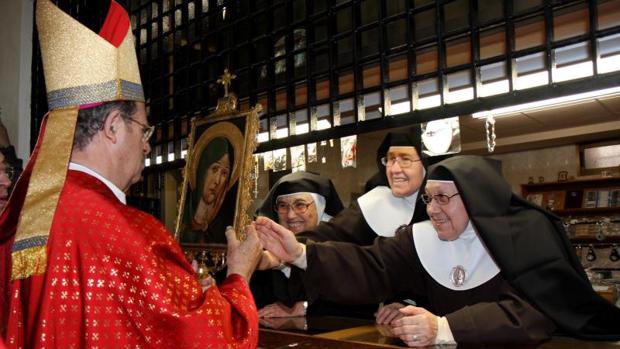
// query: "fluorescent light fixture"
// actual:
[[532, 80], [263, 137], [494, 88], [147, 162], [170, 156], [429, 102], [573, 71], [549, 103], [400, 108], [460, 95], [158, 159], [608, 64]]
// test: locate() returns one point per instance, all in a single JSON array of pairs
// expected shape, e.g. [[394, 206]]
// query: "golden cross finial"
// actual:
[[226, 80]]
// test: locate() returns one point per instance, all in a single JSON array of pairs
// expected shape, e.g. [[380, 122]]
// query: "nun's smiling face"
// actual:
[[404, 170], [297, 212], [446, 209]]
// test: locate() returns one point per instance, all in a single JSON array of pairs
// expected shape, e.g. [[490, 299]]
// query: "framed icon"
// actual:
[[217, 180]]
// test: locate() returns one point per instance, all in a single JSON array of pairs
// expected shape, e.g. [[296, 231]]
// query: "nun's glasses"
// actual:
[[441, 199], [402, 162], [298, 207]]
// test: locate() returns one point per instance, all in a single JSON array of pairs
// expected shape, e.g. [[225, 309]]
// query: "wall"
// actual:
[[349, 182], [517, 166], [546, 163], [15, 63]]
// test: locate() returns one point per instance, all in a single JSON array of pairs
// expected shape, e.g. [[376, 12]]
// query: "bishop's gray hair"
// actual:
[[91, 120]]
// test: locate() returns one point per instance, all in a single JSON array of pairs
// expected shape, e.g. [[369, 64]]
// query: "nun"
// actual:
[[402, 168], [299, 202], [493, 267]]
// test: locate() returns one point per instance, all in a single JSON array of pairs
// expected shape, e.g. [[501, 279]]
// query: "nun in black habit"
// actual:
[[495, 268], [276, 292], [364, 220]]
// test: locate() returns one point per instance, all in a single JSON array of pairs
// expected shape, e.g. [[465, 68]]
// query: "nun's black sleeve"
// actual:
[[351, 274], [490, 313], [348, 226]]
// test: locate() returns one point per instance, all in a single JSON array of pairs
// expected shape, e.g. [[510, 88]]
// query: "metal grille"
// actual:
[[336, 68]]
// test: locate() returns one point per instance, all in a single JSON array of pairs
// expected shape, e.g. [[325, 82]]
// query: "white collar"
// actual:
[[385, 212], [120, 195], [439, 257]]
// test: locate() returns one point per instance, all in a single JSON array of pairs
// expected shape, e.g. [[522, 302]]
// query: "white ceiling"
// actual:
[[591, 121]]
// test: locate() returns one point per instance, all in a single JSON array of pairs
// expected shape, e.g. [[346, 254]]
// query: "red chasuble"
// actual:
[[117, 279]]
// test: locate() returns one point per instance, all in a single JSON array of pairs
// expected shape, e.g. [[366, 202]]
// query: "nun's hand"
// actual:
[[388, 313], [280, 310], [268, 261], [418, 328], [278, 240]]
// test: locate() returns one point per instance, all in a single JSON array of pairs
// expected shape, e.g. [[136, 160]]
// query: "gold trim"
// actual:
[[46, 183], [31, 261]]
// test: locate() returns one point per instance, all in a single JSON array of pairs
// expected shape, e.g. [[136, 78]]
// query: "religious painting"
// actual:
[[218, 175]]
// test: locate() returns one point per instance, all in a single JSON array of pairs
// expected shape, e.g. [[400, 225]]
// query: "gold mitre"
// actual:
[[80, 66]]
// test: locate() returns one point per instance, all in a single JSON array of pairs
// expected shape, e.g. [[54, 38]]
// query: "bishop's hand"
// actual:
[[278, 240], [243, 256]]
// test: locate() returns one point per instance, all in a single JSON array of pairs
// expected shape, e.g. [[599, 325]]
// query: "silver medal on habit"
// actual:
[[457, 276]]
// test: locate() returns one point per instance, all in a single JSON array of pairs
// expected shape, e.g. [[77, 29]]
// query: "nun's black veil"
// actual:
[[531, 248]]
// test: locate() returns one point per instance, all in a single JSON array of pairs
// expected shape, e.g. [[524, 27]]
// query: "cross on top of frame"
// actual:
[[226, 80]]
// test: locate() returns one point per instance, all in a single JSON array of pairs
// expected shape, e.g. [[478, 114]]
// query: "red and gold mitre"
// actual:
[[81, 69]]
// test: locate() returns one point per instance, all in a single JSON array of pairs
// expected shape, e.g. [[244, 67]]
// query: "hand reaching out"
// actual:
[[268, 261], [418, 327], [278, 240]]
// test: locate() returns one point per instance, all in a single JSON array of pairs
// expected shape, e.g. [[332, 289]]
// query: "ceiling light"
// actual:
[[549, 103]]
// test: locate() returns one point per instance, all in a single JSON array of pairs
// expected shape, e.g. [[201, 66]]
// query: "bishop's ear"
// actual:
[[112, 125]]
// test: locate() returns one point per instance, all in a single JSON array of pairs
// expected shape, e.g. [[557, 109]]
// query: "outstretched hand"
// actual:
[[278, 240], [418, 327]]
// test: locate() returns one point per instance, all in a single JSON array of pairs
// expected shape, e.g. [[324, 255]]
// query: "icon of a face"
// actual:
[[216, 180]]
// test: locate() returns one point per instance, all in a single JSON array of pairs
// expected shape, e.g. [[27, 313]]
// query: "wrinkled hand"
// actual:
[[278, 240], [268, 261], [388, 313], [418, 328], [281, 310], [243, 256]]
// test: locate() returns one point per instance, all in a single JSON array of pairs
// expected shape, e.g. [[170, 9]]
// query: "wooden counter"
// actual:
[[333, 332]]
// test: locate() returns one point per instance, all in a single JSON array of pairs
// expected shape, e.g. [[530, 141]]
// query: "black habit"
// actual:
[[541, 285]]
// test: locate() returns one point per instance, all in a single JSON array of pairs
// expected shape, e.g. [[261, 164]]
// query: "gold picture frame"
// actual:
[[217, 178]]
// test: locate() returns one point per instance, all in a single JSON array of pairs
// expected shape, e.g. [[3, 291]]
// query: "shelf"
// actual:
[[587, 239], [592, 191], [595, 182], [587, 211]]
